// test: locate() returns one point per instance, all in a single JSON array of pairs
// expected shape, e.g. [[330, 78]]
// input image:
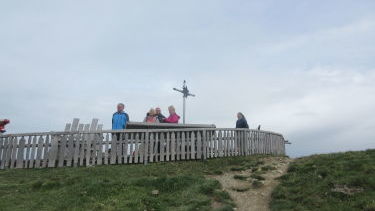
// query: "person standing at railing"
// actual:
[[120, 119], [159, 115], [3, 122], [241, 122], [173, 117], [151, 117]]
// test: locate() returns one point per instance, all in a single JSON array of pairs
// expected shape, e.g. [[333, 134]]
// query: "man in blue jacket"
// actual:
[[120, 118]]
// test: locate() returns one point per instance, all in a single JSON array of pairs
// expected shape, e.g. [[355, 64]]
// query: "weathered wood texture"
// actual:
[[88, 145]]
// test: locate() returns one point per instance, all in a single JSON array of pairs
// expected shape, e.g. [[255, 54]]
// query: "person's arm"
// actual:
[[113, 118]]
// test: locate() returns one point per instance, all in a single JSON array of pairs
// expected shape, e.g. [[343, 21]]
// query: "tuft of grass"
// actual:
[[267, 168], [241, 189], [257, 176], [240, 177], [339, 181], [237, 168], [257, 184]]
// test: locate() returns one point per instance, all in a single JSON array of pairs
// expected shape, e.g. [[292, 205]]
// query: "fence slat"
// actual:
[[168, 148], [119, 149], [2, 151], [33, 152], [21, 147], [192, 150], [173, 146], [52, 156], [46, 152], [74, 125], [199, 145], [100, 149], [106, 149], [62, 151], [113, 148], [183, 147], [156, 148], [141, 147], [162, 147], [70, 148], [131, 151], [151, 147], [39, 152]]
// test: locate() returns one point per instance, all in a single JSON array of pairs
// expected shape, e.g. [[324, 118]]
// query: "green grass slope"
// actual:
[[341, 181], [158, 186]]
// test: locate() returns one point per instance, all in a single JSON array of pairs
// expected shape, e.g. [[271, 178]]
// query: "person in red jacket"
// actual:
[[173, 117], [3, 122]]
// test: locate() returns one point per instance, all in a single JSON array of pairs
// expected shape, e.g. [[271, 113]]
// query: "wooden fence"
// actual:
[[92, 146]]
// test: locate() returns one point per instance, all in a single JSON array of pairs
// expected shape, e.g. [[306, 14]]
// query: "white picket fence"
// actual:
[[89, 146]]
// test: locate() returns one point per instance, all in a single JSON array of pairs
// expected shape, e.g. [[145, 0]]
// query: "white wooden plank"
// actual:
[[204, 144], [88, 141], [100, 149], [125, 148], [67, 127], [106, 149], [77, 145], [220, 143], [39, 152], [131, 145], [146, 148], [192, 149], [28, 149], [62, 151], [162, 147], [113, 148], [14, 152], [46, 152], [199, 145], [80, 127], [152, 141], [70, 147], [52, 155], [183, 146], [75, 123], [2, 152], [33, 153], [119, 155], [141, 147], [20, 153], [136, 148], [168, 147], [188, 143], [94, 125], [178, 145], [173, 146], [8, 154], [156, 143]]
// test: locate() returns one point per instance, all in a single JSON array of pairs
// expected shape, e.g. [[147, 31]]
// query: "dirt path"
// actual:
[[246, 196]]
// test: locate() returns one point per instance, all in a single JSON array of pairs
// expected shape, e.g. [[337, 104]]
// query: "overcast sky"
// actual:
[[303, 68]]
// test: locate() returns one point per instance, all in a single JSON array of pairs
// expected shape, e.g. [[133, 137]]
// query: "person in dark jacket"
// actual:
[[120, 118], [159, 115], [241, 122]]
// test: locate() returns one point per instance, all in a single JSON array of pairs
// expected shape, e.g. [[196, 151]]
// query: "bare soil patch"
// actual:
[[254, 192]]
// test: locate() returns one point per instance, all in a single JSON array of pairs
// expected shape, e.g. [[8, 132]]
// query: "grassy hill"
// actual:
[[158, 186], [341, 181]]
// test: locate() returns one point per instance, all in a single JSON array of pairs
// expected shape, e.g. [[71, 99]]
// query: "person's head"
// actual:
[[171, 109], [158, 110], [120, 107], [151, 112], [240, 115]]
